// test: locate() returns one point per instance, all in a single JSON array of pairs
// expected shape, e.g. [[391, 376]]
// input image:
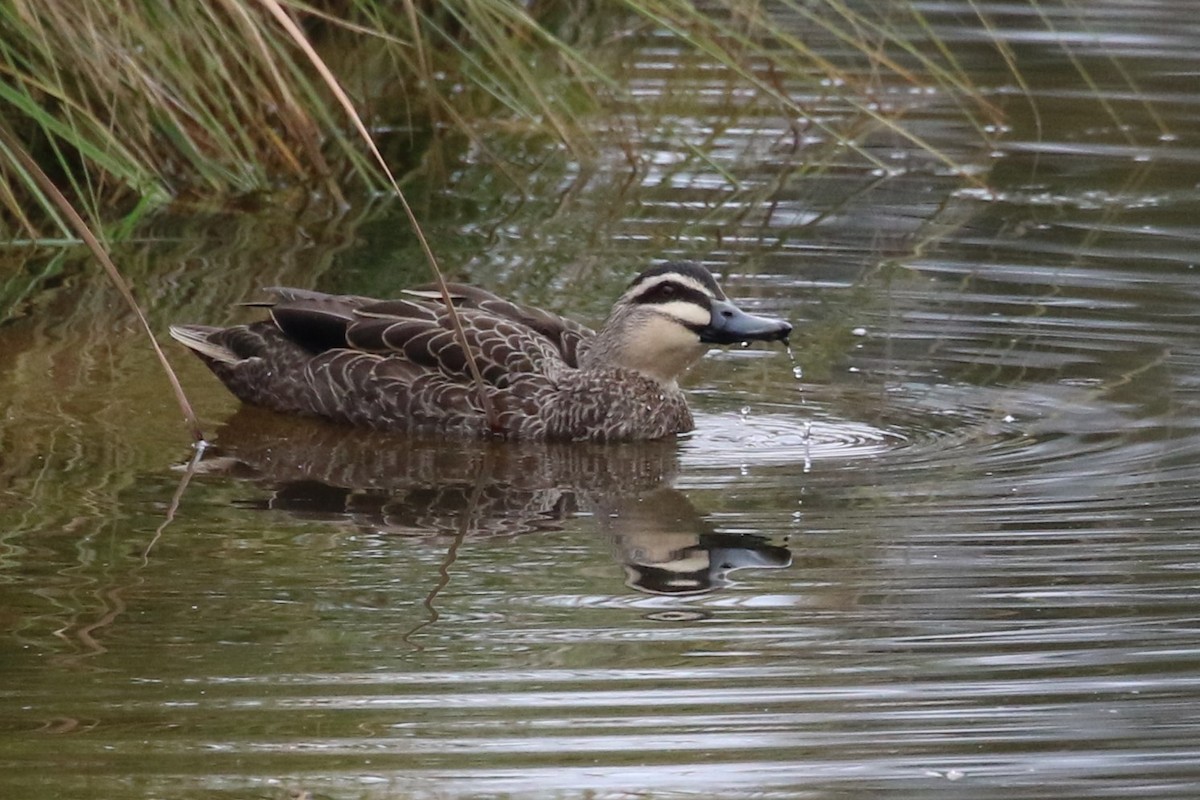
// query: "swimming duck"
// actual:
[[399, 365]]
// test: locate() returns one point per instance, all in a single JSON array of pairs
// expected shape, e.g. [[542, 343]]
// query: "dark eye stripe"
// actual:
[[670, 292]]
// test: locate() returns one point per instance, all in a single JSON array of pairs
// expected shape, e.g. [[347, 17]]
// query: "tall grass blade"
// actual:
[[75, 221], [293, 31]]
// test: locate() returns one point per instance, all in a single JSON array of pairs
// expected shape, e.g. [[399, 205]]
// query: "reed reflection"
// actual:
[[436, 488]]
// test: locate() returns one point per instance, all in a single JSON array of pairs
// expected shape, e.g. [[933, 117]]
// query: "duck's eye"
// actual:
[[670, 293]]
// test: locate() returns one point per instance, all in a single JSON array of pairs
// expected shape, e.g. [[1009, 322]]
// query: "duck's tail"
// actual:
[[197, 338]]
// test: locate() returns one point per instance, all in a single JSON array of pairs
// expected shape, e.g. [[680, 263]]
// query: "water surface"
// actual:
[[958, 557]]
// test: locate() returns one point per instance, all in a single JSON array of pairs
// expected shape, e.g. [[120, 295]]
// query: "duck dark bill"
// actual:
[[730, 325]]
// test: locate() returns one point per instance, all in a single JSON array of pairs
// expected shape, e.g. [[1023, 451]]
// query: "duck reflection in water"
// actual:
[[466, 489]]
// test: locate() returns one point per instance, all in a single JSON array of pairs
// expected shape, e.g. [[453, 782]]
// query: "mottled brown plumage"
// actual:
[[398, 364]]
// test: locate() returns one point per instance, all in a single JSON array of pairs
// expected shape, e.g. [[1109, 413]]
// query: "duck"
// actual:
[[399, 364]]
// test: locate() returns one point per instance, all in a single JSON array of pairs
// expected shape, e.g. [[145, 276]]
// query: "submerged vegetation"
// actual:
[[129, 105]]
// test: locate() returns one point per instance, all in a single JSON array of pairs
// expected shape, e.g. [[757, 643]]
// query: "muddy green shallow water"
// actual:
[[958, 557]]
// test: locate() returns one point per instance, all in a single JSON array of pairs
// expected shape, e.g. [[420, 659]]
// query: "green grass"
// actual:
[[129, 105]]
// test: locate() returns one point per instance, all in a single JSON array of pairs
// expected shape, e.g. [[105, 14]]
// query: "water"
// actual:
[[956, 555]]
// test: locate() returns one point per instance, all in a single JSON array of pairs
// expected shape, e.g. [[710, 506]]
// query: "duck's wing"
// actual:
[[506, 339], [314, 320], [423, 334], [566, 335], [320, 322]]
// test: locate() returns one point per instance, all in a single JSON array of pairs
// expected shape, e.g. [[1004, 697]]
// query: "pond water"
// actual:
[[953, 550]]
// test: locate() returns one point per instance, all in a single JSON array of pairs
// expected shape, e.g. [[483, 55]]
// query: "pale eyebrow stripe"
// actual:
[[686, 312]]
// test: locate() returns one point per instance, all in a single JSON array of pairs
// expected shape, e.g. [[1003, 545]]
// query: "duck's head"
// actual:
[[667, 318]]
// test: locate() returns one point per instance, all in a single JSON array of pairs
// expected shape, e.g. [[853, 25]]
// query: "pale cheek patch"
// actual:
[[687, 313], [666, 334]]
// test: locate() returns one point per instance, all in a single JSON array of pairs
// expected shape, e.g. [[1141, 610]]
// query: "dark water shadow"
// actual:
[[453, 491]]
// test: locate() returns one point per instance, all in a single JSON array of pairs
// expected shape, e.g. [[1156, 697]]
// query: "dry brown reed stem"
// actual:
[[75, 221], [293, 30]]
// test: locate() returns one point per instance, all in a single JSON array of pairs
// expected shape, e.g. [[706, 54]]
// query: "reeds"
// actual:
[[123, 101], [127, 104]]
